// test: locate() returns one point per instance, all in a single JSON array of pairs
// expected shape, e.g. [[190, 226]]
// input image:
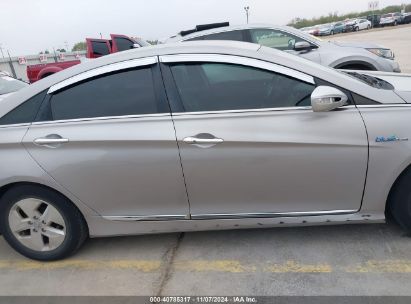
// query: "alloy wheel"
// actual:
[[37, 224]]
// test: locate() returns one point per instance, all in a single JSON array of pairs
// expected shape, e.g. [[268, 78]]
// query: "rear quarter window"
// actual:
[[24, 113]]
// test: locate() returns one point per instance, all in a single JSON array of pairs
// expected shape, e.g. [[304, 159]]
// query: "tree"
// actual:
[[61, 50], [79, 46]]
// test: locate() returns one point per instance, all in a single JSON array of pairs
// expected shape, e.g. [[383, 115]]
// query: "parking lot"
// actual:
[[330, 260], [397, 38], [327, 260]]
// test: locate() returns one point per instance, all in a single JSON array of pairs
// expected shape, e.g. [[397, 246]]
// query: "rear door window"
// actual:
[[129, 92], [24, 113]]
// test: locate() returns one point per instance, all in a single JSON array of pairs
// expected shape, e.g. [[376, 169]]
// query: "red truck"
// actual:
[[95, 48]]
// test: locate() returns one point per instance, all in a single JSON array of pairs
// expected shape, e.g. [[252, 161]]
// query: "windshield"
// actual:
[[9, 85], [386, 15], [371, 80]]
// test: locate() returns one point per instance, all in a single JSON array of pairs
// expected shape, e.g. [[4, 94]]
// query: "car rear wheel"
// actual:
[[368, 27], [41, 224], [332, 32], [399, 201], [357, 29]]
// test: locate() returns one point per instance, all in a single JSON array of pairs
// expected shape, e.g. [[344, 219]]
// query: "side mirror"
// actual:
[[325, 98], [302, 46], [136, 46]]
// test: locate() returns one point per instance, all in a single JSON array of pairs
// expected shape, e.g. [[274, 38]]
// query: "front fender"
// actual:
[[366, 61]]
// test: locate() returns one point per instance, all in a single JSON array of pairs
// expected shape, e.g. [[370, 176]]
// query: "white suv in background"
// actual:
[[335, 54]]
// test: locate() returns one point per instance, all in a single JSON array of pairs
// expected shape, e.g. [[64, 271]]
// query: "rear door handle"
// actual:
[[52, 141], [193, 140], [203, 140]]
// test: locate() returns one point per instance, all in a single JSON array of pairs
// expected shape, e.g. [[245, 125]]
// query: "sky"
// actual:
[[31, 26]]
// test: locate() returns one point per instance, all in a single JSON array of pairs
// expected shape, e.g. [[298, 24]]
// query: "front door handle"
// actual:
[[51, 141]]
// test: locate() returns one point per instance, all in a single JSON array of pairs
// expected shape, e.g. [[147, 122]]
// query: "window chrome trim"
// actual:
[[17, 125], [385, 105], [101, 118], [246, 61], [261, 110], [103, 70]]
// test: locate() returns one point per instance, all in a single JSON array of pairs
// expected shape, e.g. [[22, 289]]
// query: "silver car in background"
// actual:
[[339, 55], [9, 85], [199, 136]]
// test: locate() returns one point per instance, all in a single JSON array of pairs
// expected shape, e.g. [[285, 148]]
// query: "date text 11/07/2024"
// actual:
[[203, 299]]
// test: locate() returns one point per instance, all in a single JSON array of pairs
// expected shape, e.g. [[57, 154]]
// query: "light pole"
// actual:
[[1, 49], [247, 11]]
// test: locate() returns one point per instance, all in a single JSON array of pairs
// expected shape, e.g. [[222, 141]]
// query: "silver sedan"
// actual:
[[335, 54], [199, 136]]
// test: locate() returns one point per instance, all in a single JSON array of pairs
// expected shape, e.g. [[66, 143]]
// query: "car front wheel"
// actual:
[[40, 223], [399, 201]]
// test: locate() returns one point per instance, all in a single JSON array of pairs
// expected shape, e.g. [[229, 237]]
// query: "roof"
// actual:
[[235, 48]]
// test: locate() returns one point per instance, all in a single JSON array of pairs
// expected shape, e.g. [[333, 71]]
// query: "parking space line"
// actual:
[[141, 265], [222, 266], [391, 266]]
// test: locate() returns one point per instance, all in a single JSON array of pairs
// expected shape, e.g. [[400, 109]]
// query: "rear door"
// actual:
[[97, 47], [251, 146], [107, 136]]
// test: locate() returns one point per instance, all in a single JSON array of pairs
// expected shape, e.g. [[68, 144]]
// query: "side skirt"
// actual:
[[107, 226]]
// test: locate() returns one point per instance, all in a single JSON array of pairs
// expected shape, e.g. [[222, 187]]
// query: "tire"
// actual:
[[40, 223], [332, 33], [357, 29], [368, 27], [399, 201], [395, 23]]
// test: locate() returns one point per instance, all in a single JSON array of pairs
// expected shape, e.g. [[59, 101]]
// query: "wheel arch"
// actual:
[[6, 187], [356, 63], [48, 71], [394, 185]]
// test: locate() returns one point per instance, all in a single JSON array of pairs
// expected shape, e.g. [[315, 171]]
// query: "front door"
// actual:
[[251, 145]]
